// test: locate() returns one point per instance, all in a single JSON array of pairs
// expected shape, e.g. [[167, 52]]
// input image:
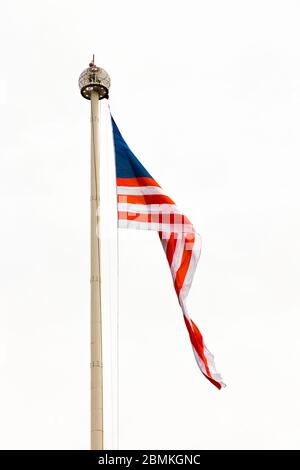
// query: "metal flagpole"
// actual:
[[96, 317], [94, 84]]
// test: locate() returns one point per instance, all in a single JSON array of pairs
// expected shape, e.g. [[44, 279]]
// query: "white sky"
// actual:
[[207, 94]]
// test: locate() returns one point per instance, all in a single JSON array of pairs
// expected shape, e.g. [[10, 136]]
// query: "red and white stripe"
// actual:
[[142, 204]]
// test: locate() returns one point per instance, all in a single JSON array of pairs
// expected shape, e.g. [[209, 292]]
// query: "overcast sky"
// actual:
[[207, 94]]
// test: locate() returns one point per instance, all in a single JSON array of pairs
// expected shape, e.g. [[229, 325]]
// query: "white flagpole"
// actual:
[[96, 314], [94, 83]]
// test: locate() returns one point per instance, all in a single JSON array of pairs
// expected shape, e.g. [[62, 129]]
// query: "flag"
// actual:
[[142, 204]]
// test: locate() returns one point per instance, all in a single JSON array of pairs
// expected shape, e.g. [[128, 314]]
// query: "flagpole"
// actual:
[[94, 83], [96, 313]]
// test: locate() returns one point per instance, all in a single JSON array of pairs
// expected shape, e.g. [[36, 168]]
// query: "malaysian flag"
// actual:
[[142, 204]]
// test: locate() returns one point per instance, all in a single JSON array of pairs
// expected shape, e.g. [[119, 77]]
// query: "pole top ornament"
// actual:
[[94, 79]]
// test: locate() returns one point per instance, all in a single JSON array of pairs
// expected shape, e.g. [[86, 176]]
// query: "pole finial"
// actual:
[[94, 79], [91, 64]]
